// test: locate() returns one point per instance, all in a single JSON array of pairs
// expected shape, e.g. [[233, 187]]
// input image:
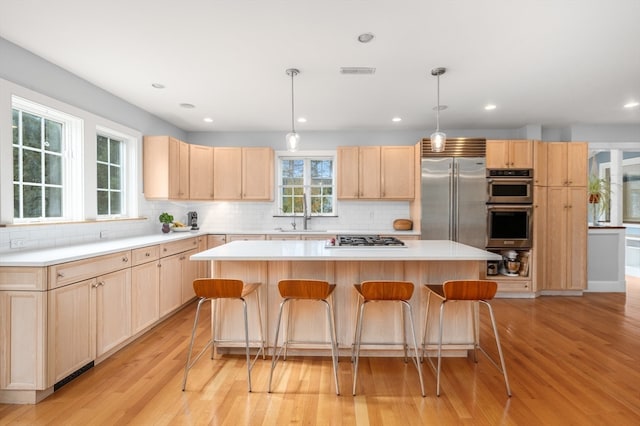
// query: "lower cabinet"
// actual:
[[145, 295], [170, 283], [190, 271], [113, 310]]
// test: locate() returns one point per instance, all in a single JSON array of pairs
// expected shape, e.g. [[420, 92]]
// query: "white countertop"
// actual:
[[316, 250], [54, 255]]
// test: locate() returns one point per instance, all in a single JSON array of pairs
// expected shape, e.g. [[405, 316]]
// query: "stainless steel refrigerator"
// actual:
[[454, 200]]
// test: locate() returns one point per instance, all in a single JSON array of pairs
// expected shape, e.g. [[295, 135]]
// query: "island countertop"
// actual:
[[435, 250]]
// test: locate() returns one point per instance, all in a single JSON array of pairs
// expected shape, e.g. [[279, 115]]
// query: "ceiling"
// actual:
[[553, 63]]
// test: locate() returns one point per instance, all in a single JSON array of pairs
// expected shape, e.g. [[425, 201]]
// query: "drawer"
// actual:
[[216, 240], [174, 247], [71, 272], [144, 255], [245, 237], [514, 286], [27, 279]]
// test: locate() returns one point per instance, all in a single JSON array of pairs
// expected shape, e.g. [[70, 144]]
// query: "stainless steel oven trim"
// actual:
[[499, 243], [528, 182]]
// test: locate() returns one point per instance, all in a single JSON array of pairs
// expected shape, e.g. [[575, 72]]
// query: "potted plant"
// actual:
[[166, 219], [599, 193]]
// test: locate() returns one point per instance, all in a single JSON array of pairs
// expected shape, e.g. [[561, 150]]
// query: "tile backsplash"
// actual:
[[377, 216]]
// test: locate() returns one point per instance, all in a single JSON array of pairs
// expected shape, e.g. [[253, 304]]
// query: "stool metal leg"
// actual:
[[334, 343], [190, 363], [495, 333], [415, 345], [425, 333], [276, 352], [404, 333], [257, 292], [357, 346], [440, 348]]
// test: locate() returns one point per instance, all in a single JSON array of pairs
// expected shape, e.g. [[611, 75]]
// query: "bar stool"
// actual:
[[214, 289], [385, 291], [305, 289], [475, 291]]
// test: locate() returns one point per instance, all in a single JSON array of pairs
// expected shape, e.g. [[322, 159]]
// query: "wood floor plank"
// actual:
[[571, 360]]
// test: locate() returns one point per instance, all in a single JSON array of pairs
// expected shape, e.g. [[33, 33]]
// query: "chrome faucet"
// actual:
[[306, 217]]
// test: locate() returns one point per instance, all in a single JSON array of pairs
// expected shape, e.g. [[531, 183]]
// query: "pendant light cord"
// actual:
[[293, 127], [438, 106]]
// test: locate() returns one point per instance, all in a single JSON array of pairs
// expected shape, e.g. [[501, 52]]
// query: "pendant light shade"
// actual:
[[438, 138], [292, 138]]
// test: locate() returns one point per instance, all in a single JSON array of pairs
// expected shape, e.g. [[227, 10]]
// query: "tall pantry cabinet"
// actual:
[[562, 232]]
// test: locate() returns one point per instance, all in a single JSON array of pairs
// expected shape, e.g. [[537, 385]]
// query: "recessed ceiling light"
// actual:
[[489, 107], [302, 120], [632, 104], [396, 119], [188, 106], [208, 120], [157, 85], [365, 37]]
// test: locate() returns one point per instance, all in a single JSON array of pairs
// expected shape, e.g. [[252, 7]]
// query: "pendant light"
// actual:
[[292, 138], [438, 138]]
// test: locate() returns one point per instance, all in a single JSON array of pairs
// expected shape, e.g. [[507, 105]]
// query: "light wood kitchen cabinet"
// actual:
[[200, 172], [113, 310], [243, 173], [397, 172], [566, 239], [245, 237], [190, 272], [203, 269], [145, 288], [71, 329], [540, 211], [216, 240], [165, 168], [170, 284], [509, 154], [567, 163], [539, 163], [376, 172]]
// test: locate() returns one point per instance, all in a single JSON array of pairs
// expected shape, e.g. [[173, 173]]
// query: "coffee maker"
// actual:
[[192, 220]]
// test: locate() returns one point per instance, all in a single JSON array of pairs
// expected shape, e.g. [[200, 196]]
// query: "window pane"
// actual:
[[53, 202], [115, 177], [16, 164], [114, 149], [53, 169], [31, 166], [631, 193], [115, 203], [103, 176], [103, 202], [32, 201], [103, 149], [53, 136], [15, 126], [31, 130], [16, 201]]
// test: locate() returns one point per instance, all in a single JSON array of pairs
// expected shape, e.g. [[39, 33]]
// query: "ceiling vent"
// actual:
[[357, 70]]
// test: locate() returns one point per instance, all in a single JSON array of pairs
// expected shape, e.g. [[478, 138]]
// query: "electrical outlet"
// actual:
[[17, 243], [104, 234]]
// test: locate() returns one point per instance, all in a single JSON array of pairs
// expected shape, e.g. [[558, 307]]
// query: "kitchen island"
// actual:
[[420, 262]]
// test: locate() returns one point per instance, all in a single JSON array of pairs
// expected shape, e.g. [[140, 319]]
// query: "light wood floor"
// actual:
[[571, 360]]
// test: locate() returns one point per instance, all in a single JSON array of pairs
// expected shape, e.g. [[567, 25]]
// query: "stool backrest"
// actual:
[[469, 289], [216, 288], [387, 290], [304, 289]]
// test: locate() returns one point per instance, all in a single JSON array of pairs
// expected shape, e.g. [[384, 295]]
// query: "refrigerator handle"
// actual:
[[456, 203], [452, 203]]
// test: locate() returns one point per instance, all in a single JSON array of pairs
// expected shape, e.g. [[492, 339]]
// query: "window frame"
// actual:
[[307, 156]]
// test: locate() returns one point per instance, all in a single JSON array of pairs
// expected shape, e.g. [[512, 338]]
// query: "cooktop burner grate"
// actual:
[[367, 241]]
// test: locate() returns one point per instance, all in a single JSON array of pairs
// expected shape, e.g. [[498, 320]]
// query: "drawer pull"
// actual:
[[125, 259], [60, 275], [94, 285], [147, 254]]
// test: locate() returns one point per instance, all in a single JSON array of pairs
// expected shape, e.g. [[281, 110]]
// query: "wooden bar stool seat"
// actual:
[[214, 289], [388, 292], [305, 289], [477, 292]]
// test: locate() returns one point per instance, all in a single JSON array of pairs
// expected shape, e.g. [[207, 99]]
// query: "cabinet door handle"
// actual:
[[94, 285]]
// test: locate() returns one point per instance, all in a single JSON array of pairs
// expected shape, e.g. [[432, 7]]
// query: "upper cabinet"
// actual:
[[376, 172], [165, 168], [243, 173], [510, 154], [567, 163], [200, 172]]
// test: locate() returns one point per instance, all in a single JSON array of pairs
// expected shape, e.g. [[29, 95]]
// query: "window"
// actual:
[[110, 176], [306, 179], [38, 165]]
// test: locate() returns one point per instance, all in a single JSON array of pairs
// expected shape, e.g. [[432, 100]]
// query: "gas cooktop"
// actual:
[[366, 241]]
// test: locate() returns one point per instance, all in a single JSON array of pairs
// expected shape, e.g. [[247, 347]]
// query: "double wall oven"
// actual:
[[509, 208]]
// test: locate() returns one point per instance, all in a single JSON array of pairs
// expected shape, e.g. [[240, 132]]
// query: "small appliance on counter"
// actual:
[[510, 264], [192, 220]]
